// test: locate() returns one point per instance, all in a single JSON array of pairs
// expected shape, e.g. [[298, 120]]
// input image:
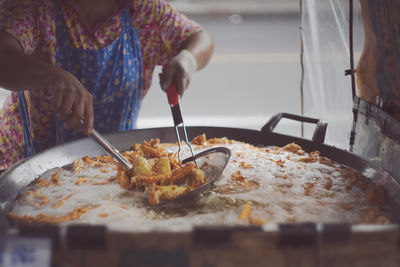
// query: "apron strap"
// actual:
[[29, 150]]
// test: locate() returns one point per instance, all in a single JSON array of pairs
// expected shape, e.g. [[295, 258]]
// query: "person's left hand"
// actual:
[[178, 70]]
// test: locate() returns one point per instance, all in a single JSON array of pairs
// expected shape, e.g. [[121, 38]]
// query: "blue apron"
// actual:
[[113, 75]]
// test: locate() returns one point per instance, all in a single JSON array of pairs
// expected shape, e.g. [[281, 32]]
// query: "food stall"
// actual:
[[300, 241]]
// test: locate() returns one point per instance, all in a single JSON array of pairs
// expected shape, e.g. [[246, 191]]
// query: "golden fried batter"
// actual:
[[294, 148], [75, 214], [154, 171], [160, 193], [199, 140], [152, 149], [189, 174], [246, 214]]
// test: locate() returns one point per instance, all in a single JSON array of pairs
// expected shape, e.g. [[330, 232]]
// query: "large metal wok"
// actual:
[[28, 169]]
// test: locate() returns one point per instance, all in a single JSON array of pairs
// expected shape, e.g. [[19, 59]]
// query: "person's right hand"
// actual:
[[19, 72], [71, 100]]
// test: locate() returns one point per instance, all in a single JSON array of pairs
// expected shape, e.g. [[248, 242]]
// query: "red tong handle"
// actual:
[[172, 94]]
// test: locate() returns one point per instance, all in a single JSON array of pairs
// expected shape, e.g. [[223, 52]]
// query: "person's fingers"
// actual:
[[72, 101], [178, 70], [76, 116], [184, 80], [67, 104], [166, 77], [88, 116], [57, 99]]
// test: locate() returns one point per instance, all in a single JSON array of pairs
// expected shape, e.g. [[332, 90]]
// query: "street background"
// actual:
[[253, 74]]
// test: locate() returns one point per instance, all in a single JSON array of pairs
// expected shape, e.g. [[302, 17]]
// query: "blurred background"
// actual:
[[256, 70]]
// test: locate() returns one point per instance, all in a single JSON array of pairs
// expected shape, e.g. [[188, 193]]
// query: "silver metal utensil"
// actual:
[[110, 149], [173, 101]]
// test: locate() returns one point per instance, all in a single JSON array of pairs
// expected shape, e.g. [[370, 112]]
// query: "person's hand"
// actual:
[[178, 70], [71, 101], [19, 72]]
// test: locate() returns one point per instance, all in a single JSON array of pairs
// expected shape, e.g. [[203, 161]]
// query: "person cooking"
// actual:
[[68, 61]]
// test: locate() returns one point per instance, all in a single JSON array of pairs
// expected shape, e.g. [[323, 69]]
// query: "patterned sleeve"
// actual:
[[165, 28], [19, 18]]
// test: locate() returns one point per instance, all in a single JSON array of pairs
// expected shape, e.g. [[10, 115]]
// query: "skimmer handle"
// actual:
[[172, 94]]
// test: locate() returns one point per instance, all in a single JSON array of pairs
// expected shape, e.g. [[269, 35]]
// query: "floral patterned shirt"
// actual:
[[160, 28]]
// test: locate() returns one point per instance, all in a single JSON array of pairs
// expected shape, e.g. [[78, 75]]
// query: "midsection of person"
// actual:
[[76, 63]]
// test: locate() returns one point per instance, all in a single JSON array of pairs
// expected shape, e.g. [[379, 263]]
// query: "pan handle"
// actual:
[[319, 132]]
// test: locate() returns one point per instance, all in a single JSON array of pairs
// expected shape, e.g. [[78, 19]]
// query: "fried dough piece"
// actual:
[[246, 214], [123, 179], [55, 178], [75, 214], [188, 173], [152, 149], [141, 166], [199, 140], [312, 157], [294, 148], [161, 165], [160, 193], [219, 141]]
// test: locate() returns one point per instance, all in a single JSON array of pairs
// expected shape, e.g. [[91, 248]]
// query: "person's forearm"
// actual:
[[201, 45], [19, 71]]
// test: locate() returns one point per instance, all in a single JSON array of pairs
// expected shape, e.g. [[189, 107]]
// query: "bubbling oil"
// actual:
[[278, 186]]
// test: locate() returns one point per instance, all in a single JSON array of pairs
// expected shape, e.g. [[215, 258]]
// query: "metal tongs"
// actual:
[[110, 149], [173, 101]]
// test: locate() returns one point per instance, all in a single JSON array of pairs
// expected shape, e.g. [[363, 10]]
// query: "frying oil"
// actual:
[[282, 189]]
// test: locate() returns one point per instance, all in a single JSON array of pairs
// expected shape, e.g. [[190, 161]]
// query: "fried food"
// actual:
[[294, 148], [46, 219], [164, 185], [188, 174], [161, 193], [141, 167], [246, 214], [154, 174], [199, 140]]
